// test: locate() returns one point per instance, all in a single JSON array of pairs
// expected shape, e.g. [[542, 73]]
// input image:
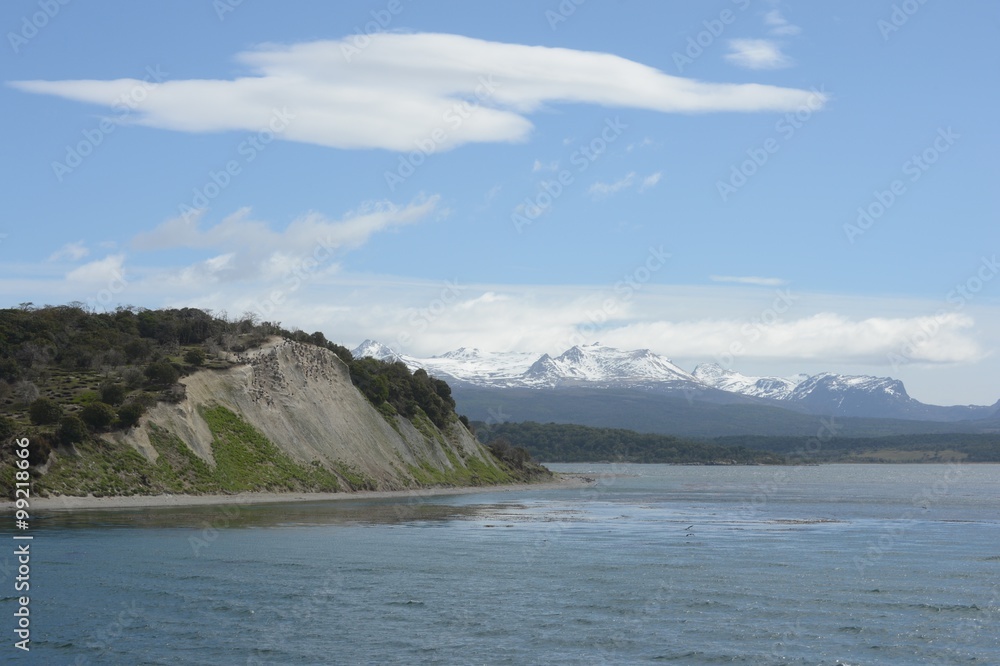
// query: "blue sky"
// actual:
[[684, 177]]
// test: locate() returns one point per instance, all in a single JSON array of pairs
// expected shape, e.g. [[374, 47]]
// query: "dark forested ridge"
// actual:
[[559, 442], [897, 448], [556, 442]]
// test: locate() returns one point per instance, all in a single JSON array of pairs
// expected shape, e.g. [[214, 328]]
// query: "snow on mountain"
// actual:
[[597, 364], [373, 349], [777, 388], [593, 364], [830, 383], [479, 367]]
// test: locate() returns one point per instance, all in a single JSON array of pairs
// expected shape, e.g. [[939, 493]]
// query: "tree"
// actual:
[[25, 392], [129, 415], [44, 411], [72, 430], [98, 415], [113, 394], [8, 428], [194, 357], [161, 372]]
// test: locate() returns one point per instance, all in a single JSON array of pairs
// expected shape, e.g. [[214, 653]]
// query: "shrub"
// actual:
[[133, 377], [44, 411], [98, 415], [113, 394], [72, 430], [39, 448], [194, 357], [8, 428], [129, 415], [162, 372]]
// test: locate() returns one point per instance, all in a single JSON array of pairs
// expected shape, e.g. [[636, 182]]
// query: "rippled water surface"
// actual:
[[838, 564]]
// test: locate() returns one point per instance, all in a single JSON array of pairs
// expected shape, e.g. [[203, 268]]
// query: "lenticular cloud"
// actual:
[[393, 91]]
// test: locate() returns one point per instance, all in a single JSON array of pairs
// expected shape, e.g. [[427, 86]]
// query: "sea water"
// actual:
[[833, 564]]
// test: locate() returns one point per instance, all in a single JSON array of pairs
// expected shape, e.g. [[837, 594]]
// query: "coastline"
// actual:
[[86, 503]]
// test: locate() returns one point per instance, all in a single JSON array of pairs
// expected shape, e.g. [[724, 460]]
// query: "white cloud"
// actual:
[[646, 141], [757, 54], [71, 251], [405, 88], [540, 166], [757, 281], [601, 190], [779, 25], [103, 270], [650, 181], [251, 248]]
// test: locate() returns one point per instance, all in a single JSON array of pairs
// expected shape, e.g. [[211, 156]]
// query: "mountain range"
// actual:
[[611, 370]]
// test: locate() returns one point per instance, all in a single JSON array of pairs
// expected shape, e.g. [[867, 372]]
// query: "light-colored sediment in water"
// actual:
[[70, 503]]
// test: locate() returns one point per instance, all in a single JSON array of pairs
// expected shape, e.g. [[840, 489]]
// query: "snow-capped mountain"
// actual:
[[595, 365], [599, 367], [777, 388], [373, 349]]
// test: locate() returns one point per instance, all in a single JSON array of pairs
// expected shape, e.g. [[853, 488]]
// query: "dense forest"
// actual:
[[895, 448], [558, 442], [68, 375]]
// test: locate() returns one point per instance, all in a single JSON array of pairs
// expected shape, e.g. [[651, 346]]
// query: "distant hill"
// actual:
[[701, 416]]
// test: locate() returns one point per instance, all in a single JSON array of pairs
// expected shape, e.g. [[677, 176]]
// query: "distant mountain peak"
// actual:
[[374, 349]]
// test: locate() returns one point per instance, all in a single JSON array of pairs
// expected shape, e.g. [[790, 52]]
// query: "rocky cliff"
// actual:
[[285, 416]]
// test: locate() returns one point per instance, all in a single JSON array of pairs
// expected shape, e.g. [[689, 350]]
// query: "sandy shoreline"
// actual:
[[67, 503]]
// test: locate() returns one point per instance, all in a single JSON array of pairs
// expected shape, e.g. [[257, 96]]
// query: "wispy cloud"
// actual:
[[71, 251], [541, 166], [600, 190], [98, 272], [757, 54], [404, 88], [650, 181], [778, 25], [246, 248], [758, 281]]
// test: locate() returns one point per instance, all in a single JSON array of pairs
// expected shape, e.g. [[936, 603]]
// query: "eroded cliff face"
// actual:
[[300, 397]]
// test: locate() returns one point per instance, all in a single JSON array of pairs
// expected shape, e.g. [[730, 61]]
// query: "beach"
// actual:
[[74, 503]]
